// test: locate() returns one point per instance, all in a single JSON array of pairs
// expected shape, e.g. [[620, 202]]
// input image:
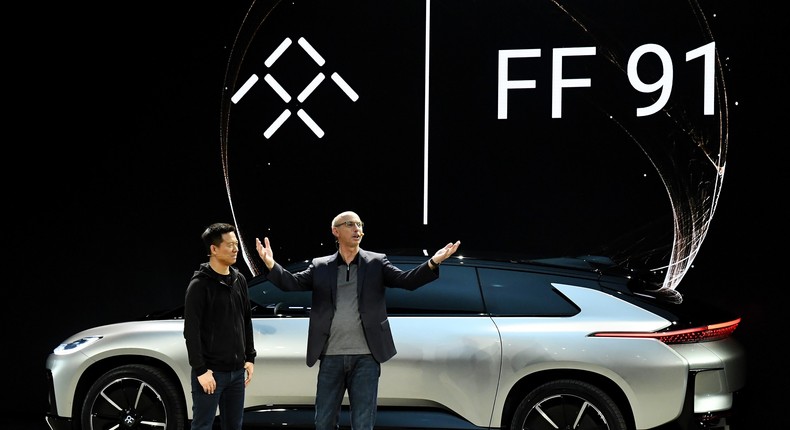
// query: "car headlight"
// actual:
[[75, 345]]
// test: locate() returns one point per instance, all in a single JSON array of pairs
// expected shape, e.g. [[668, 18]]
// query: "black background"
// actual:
[[114, 169]]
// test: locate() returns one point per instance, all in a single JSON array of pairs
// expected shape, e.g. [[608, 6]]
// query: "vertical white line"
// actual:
[[426, 125]]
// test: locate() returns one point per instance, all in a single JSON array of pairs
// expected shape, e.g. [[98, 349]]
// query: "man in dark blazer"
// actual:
[[349, 331]]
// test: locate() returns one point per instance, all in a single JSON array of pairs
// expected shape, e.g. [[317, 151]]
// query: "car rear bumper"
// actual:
[[721, 419]]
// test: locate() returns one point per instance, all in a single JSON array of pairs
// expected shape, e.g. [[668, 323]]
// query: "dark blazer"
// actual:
[[375, 273]]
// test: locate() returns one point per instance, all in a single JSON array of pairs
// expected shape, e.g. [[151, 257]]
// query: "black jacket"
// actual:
[[217, 321], [374, 275]]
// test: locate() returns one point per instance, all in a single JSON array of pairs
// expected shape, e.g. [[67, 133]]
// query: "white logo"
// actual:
[[252, 80]]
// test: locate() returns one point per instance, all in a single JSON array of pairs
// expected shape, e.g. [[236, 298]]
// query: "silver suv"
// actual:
[[566, 343]]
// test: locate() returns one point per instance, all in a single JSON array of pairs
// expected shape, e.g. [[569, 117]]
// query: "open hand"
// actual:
[[445, 253], [265, 252]]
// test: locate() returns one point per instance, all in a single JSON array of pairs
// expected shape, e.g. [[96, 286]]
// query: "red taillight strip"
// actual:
[[692, 335]]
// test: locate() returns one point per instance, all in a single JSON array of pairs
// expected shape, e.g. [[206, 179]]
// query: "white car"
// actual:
[[565, 343]]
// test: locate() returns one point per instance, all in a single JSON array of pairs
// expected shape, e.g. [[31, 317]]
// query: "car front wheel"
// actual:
[[568, 404], [134, 397]]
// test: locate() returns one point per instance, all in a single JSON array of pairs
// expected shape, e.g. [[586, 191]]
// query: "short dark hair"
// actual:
[[213, 234]]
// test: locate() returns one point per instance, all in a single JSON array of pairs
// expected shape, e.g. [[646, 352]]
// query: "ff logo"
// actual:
[[319, 78], [490, 87]]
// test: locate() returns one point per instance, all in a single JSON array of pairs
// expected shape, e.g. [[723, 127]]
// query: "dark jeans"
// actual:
[[229, 397], [359, 374]]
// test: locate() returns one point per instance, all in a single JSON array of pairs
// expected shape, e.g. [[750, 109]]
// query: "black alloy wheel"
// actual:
[[134, 397], [568, 405]]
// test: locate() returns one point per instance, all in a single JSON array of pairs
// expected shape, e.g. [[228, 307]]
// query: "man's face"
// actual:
[[348, 231], [228, 250]]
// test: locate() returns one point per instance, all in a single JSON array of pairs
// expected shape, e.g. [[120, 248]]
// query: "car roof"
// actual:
[[598, 267]]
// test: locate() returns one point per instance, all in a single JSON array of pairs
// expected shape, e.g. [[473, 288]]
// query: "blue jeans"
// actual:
[[228, 397], [359, 374]]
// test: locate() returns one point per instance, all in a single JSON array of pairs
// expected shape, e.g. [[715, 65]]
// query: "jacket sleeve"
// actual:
[[194, 304], [249, 339], [408, 279], [287, 281]]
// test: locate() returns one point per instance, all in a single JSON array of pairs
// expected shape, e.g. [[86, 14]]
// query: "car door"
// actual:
[[449, 350], [280, 322]]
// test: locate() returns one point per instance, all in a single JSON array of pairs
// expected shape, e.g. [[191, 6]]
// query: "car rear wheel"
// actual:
[[134, 397], [568, 404]]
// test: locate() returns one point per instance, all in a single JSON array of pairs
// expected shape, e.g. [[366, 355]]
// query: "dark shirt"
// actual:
[[217, 321]]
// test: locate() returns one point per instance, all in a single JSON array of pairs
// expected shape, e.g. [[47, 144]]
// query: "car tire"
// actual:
[[568, 404], [134, 396]]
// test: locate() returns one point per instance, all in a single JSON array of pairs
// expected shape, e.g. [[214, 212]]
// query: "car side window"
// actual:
[[517, 293], [455, 292], [268, 300]]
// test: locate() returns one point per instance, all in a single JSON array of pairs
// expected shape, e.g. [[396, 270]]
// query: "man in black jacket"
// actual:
[[349, 330], [218, 333]]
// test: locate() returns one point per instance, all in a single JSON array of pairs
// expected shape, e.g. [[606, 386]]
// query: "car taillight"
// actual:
[[691, 335]]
